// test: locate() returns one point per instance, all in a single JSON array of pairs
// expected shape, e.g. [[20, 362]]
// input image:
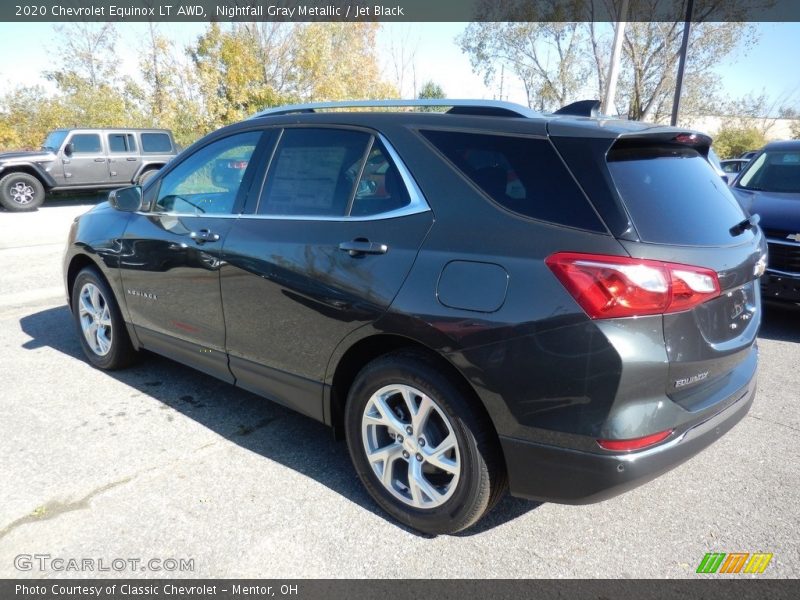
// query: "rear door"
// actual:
[[124, 158], [334, 233], [171, 255]]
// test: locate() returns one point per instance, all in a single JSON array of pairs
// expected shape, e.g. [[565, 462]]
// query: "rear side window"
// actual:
[[522, 174], [674, 196], [156, 142], [121, 142]]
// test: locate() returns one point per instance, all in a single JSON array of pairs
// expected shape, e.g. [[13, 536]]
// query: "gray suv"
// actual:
[[82, 160]]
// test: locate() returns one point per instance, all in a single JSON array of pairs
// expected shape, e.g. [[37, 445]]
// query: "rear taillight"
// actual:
[[635, 443], [617, 286]]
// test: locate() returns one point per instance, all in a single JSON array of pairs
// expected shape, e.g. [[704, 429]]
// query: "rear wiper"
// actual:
[[749, 223]]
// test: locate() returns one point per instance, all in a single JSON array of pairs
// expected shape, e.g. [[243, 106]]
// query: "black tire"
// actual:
[[481, 474], [146, 176], [21, 192], [119, 352]]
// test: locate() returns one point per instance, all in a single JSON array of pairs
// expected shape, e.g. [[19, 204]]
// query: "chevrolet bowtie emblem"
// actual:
[[794, 237]]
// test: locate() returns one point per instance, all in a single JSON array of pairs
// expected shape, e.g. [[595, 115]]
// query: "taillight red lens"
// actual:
[[608, 287], [635, 443]]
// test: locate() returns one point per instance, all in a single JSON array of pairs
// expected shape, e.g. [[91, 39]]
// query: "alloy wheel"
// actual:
[[411, 446], [95, 319]]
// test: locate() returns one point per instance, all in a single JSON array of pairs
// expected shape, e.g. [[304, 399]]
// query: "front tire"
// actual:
[[21, 192], [99, 324], [424, 452]]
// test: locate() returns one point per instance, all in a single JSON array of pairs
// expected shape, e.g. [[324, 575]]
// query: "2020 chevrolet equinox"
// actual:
[[481, 299]]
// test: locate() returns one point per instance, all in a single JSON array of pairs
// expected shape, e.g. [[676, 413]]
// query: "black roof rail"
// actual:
[[472, 107]]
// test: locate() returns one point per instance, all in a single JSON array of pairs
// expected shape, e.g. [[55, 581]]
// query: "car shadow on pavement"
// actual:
[[245, 419], [780, 322]]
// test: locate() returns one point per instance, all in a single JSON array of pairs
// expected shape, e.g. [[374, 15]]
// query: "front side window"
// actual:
[[314, 172], [86, 143], [210, 180]]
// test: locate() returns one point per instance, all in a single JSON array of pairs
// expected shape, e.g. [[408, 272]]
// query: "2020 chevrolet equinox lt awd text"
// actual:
[[481, 299]]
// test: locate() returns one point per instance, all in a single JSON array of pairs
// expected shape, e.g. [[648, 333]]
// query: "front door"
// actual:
[[87, 164], [172, 254]]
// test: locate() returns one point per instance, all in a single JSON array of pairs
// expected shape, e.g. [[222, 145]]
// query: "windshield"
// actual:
[[54, 140], [773, 171]]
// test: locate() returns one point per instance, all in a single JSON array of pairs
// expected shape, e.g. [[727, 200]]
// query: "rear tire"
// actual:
[[99, 324], [21, 192], [422, 450]]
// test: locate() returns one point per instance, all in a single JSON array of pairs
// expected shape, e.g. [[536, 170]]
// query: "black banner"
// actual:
[[712, 588], [393, 10]]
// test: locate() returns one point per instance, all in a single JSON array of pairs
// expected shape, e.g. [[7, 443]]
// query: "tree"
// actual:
[[338, 61], [26, 115], [547, 57], [732, 142], [558, 62], [91, 90], [431, 90]]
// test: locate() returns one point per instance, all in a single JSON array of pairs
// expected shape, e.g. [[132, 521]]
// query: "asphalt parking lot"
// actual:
[[162, 462]]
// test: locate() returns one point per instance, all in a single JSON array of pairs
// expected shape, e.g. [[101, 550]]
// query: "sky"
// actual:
[[769, 67]]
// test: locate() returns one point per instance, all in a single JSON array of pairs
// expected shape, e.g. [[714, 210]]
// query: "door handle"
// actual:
[[131, 158], [361, 246], [99, 160], [203, 236]]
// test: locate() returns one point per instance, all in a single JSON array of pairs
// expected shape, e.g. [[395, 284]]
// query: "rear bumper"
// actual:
[[553, 474], [777, 285]]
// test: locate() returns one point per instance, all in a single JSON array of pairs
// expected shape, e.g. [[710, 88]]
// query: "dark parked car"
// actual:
[[481, 299], [82, 160], [770, 187], [734, 165]]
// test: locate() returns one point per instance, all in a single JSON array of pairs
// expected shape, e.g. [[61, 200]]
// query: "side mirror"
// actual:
[[127, 199], [68, 149]]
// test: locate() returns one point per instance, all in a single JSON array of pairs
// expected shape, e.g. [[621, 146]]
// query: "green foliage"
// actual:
[[732, 141], [227, 74], [431, 90]]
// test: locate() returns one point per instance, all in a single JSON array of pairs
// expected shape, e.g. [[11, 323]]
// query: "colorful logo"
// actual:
[[734, 562]]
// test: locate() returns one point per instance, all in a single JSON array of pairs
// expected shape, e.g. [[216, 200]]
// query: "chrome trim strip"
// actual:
[[771, 240], [522, 111], [783, 273]]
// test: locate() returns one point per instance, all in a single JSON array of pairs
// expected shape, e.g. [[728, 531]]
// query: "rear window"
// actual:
[[156, 142], [674, 196], [522, 174]]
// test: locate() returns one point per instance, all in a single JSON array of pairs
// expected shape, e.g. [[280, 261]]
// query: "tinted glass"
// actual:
[[156, 142], [381, 188], [85, 143], [121, 142], [314, 172], [774, 171], [210, 180], [674, 196], [521, 174]]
